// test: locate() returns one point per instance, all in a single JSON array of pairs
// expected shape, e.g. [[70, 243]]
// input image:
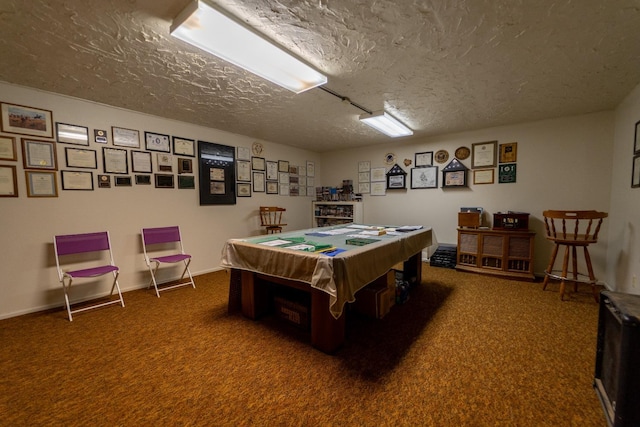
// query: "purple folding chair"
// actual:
[[68, 248], [159, 246]]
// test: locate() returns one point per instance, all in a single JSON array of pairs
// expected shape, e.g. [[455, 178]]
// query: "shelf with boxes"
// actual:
[[505, 250], [325, 214]]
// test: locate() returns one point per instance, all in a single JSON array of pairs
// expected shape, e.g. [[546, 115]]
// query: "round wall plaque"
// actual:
[[463, 153], [441, 156]]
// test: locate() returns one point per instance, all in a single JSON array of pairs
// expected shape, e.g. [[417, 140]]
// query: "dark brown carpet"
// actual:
[[465, 350]]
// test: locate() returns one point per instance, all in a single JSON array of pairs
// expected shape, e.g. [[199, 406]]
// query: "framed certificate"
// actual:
[[164, 180], [8, 181], [41, 184], [184, 146], [244, 189], [378, 175], [81, 158], [311, 168], [244, 170], [122, 137], [141, 161], [272, 187], [483, 176], [283, 166], [157, 142], [483, 154], [509, 152], [186, 181], [115, 160], [272, 171], [258, 182], [424, 159], [37, 154], [75, 180], [258, 163], [8, 148]]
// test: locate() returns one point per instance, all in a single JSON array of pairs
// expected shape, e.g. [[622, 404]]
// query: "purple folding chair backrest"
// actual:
[[79, 243], [154, 236]]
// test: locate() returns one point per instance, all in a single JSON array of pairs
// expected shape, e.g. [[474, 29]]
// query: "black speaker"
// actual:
[[617, 375]]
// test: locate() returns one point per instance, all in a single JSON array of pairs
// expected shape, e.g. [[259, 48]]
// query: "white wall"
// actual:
[[623, 258], [27, 226], [563, 163]]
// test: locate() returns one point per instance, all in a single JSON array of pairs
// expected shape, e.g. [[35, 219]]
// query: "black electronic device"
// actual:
[[617, 373]]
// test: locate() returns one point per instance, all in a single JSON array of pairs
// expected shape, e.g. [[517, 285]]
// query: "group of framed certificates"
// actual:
[[258, 175], [40, 160]]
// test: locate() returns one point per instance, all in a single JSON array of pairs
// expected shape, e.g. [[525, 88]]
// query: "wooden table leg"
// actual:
[[327, 333], [255, 299], [413, 269]]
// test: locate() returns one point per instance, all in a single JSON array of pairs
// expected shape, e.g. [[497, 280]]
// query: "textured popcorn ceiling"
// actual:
[[439, 65]]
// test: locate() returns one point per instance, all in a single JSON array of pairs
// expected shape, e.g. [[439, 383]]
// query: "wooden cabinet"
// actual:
[[506, 253], [333, 213]]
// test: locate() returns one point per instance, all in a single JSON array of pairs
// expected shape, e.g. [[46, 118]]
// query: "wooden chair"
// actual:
[[92, 251], [572, 229], [271, 218]]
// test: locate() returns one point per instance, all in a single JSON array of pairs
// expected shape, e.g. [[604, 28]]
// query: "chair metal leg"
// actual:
[[549, 269], [565, 267]]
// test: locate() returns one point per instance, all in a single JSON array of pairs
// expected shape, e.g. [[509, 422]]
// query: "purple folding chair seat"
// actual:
[[156, 242], [67, 249]]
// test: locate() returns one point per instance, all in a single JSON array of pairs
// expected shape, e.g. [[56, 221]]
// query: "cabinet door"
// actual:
[[492, 251]]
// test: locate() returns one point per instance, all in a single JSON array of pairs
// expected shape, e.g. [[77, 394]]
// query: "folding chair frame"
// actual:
[[163, 235], [73, 244]]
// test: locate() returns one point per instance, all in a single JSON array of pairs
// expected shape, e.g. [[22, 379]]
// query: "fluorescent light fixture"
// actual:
[[386, 123], [210, 30]]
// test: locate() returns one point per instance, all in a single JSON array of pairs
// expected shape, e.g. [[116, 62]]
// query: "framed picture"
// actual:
[[424, 177], [38, 154], [284, 189], [8, 181], [283, 177], [509, 152], [41, 184], [507, 173], [75, 180], [635, 175], [72, 134], [8, 148], [364, 187], [122, 181], [164, 180], [311, 168], [244, 189], [81, 158], [424, 159], [293, 170], [258, 163], [636, 141], [184, 146], [26, 120], [143, 179], [157, 142], [216, 187], [104, 181], [483, 154], [272, 171], [141, 161], [483, 176], [185, 166], [114, 160], [378, 189], [186, 181], [283, 166], [123, 137], [258, 182], [272, 187]]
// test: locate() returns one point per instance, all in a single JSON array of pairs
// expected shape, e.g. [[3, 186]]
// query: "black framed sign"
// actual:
[[217, 174]]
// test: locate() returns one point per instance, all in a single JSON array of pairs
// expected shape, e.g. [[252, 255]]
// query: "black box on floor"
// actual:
[[445, 256], [617, 373]]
